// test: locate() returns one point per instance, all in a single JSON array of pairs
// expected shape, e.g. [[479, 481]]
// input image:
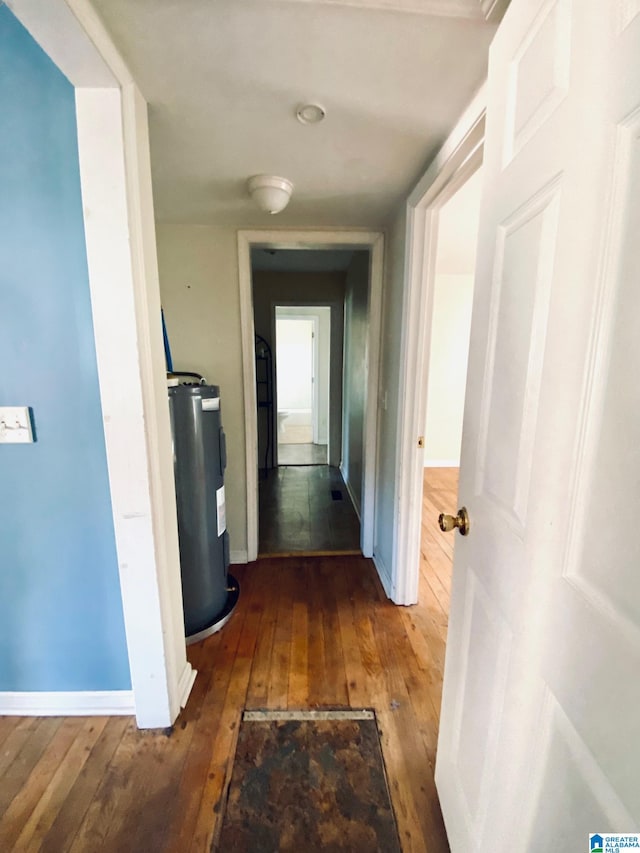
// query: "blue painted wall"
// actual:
[[61, 622]]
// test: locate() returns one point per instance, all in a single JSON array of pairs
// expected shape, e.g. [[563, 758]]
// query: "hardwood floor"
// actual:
[[302, 454], [298, 513], [308, 632]]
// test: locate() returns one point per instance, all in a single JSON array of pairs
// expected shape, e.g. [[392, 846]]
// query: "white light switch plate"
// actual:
[[15, 425]]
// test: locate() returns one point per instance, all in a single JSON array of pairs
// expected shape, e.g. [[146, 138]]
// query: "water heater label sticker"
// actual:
[[210, 404], [222, 515]]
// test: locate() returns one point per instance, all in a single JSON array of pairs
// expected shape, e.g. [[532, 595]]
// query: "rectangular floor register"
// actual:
[[308, 780]]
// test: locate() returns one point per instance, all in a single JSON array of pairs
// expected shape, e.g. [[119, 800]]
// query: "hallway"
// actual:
[[323, 635], [306, 510], [302, 454]]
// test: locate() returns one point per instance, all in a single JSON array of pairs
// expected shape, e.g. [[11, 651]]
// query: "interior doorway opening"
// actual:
[[447, 330], [259, 255], [302, 387], [310, 310], [448, 333], [449, 324]]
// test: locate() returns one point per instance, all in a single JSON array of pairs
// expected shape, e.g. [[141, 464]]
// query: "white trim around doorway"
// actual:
[[458, 159], [115, 174], [290, 239]]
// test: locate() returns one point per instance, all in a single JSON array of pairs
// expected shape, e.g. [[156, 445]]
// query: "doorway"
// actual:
[[449, 324], [299, 316], [302, 387], [320, 245], [448, 329], [460, 159]]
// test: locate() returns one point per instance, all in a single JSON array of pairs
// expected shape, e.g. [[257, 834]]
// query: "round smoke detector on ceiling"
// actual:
[[310, 113], [270, 192]]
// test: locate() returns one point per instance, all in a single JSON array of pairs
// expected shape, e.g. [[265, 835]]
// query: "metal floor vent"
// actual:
[[286, 716], [336, 495]]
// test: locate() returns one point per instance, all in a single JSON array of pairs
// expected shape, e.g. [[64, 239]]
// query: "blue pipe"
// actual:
[[167, 348]]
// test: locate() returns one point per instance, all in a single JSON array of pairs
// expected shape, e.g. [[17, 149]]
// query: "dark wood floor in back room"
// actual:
[[309, 632], [306, 509]]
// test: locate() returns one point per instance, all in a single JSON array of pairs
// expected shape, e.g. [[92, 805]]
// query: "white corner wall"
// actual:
[[452, 299], [451, 327]]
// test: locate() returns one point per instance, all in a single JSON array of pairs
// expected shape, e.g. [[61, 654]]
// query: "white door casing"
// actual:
[[455, 163], [290, 239], [540, 733], [120, 237], [314, 379]]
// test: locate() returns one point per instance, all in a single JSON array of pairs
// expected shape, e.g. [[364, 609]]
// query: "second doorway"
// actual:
[[302, 336]]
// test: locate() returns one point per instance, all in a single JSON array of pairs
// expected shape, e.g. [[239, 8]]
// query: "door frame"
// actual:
[[120, 243], [455, 163], [301, 239], [315, 399]]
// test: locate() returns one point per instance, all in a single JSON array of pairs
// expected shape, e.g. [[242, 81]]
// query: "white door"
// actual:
[[540, 729]]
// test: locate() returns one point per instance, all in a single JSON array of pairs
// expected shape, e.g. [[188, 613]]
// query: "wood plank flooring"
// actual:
[[299, 515], [309, 632], [302, 454]]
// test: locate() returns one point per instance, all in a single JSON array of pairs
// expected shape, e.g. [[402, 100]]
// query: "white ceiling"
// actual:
[[223, 79]]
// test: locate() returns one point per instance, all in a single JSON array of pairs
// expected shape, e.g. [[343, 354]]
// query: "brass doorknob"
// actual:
[[450, 522]]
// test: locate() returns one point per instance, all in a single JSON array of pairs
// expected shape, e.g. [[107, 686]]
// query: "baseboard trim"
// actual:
[[347, 486], [441, 463], [384, 574], [186, 683], [72, 703], [238, 558]]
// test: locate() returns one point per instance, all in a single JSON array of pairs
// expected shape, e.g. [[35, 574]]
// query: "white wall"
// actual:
[[458, 228], [452, 301], [451, 324], [199, 289], [355, 374]]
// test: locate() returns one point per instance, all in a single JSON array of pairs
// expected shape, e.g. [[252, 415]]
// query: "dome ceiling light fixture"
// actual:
[[270, 192], [310, 113]]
